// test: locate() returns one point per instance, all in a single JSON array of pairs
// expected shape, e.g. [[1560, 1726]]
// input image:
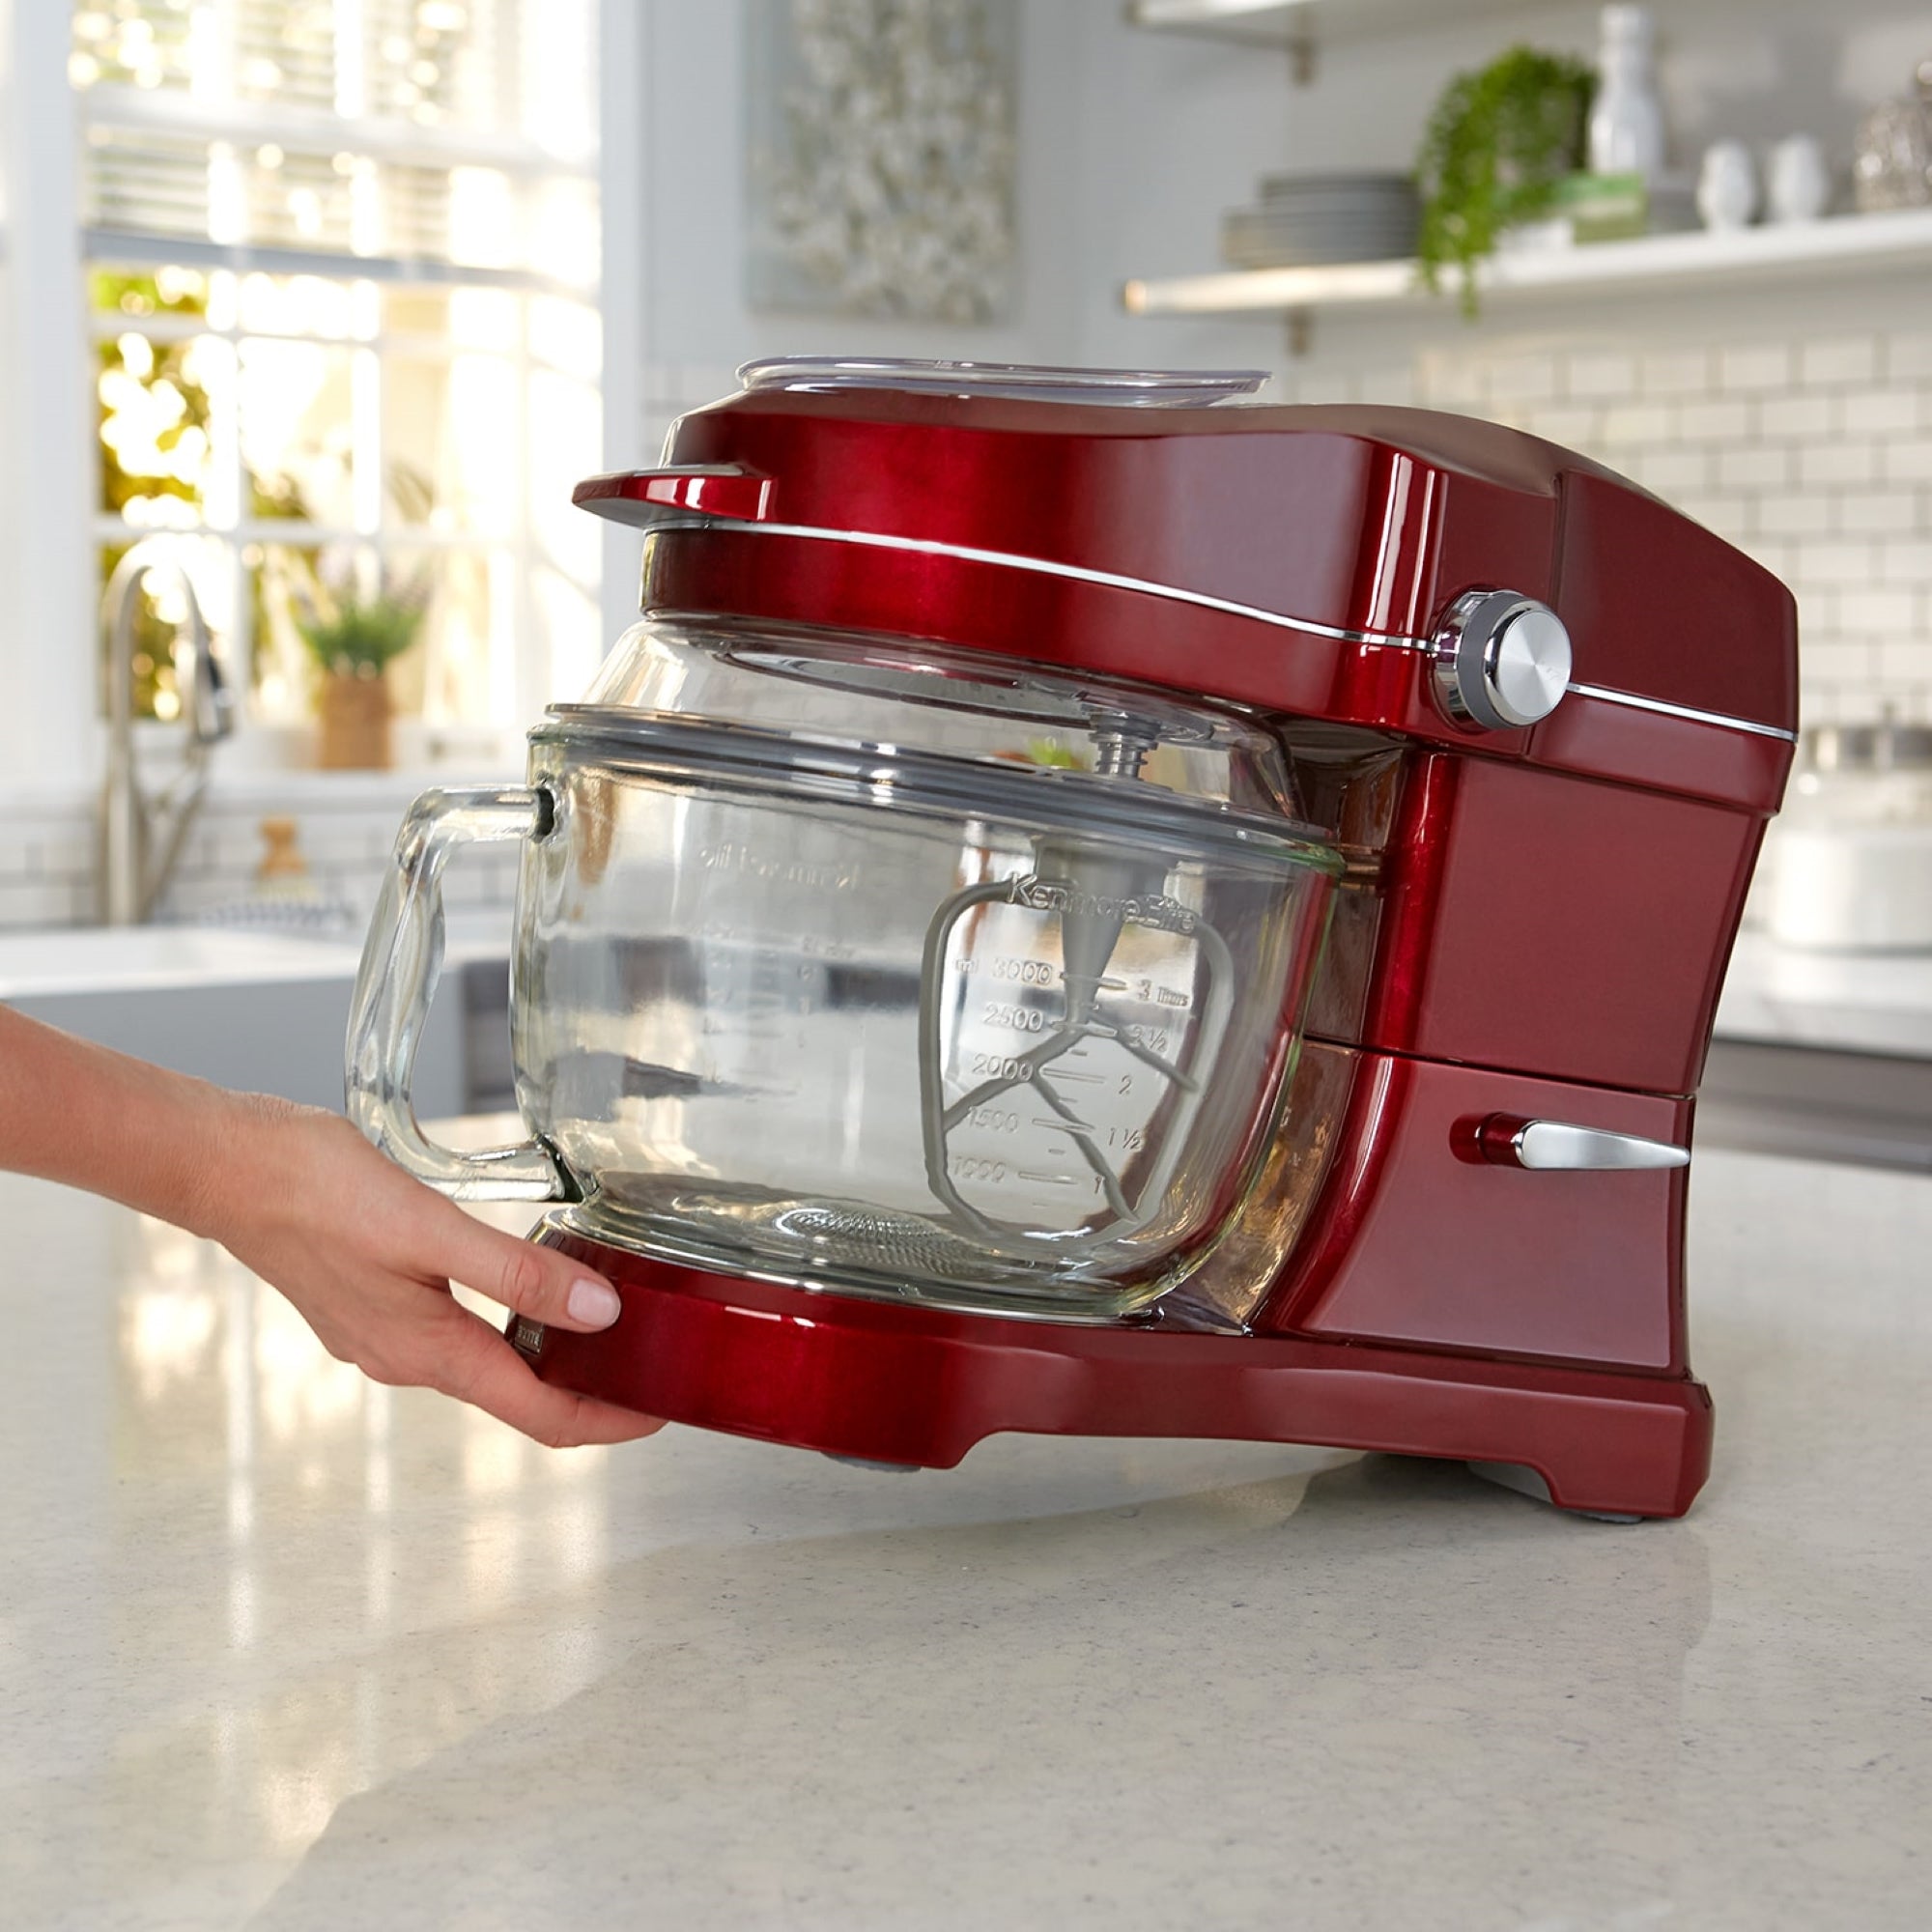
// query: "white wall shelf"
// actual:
[[1854, 244], [1299, 26]]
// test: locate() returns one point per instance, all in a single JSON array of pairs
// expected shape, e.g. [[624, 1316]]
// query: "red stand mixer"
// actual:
[[1089, 910]]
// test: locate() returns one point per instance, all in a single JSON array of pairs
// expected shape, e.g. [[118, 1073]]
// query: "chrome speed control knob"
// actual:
[[1502, 659]]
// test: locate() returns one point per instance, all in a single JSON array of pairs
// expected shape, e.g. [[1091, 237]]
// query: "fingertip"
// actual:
[[592, 1303], [604, 1424]]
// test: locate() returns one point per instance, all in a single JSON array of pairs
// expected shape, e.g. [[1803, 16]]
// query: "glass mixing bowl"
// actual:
[[876, 969]]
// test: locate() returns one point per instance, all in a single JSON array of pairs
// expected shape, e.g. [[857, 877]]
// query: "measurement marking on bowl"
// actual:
[[1060, 1126], [1048, 1180], [1068, 1073]]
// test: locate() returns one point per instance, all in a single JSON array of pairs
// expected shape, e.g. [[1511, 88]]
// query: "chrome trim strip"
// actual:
[[1684, 711], [1042, 568]]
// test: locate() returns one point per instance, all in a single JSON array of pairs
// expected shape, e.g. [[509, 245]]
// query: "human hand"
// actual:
[[367, 1254]]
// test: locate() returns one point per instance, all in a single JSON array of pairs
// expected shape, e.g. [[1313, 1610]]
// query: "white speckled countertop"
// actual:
[[280, 1649]]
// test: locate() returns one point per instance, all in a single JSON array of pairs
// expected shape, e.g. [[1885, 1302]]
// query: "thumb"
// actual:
[[538, 1282]]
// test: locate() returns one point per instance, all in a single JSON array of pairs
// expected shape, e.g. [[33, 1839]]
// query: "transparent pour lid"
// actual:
[[1131, 388], [880, 700]]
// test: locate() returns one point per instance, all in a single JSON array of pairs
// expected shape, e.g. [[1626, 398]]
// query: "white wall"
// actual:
[[696, 325]]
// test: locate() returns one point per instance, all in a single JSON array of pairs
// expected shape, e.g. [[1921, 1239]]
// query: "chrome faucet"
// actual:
[[141, 836]]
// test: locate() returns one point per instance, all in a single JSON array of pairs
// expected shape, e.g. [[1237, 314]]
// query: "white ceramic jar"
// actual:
[[1799, 180], [1727, 186]]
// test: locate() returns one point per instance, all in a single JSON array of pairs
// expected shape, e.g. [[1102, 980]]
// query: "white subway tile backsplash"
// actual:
[[1637, 425], [1796, 415], [1677, 372], [1393, 386], [1755, 367], [1908, 461], [1453, 381], [60, 852], [41, 902], [1849, 359], [1797, 514], [1839, 461], [1907, 357], [1672, 471], [1877, 613], [1528, 379], [1713, 420], [1891, 411], [1326, 385], [1836, 563], [1828, 658], [1906, 561], [47, 872], [1575, 425], [1601, 376], [1904, 663], [1754, 466], [1878, 512]]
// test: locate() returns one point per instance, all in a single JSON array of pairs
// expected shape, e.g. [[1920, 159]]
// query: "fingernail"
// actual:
[[593, 1303]]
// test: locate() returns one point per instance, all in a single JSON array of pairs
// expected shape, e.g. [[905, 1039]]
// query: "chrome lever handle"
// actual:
[[1559, 1147]]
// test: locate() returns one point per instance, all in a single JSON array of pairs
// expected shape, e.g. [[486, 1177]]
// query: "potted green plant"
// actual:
[[354, 638], [1498, 145]]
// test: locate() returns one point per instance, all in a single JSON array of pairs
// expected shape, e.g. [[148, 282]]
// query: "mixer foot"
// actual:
[[1526, 1482]]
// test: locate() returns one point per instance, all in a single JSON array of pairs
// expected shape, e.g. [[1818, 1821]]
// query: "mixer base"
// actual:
[[882, 1382]]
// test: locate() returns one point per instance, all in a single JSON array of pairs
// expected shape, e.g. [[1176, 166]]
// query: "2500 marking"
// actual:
[[1020, 1019]]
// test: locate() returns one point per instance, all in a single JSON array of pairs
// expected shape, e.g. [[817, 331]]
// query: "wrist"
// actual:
[[231, 1170]]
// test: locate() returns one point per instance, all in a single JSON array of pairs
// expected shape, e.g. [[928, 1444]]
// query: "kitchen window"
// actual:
[[328, 273]]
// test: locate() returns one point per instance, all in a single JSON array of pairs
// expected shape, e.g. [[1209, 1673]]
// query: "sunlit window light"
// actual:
[[231, 402]]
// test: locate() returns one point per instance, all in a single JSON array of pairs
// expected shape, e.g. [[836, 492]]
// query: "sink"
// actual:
[[265, 1011]]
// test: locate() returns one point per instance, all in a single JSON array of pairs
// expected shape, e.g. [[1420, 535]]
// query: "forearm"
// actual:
[[78, 1113], [296, 1194]]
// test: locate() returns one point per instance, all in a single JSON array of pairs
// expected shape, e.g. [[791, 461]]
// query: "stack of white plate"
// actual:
[[1303, 219]]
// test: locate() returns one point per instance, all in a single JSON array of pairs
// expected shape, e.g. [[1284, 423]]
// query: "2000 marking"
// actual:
[[996, 1068]]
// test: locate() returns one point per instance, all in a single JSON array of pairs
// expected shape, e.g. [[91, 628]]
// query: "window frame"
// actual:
[[52, 728]]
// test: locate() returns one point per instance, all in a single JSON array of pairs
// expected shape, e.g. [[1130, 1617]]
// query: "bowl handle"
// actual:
[[402, 962]]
